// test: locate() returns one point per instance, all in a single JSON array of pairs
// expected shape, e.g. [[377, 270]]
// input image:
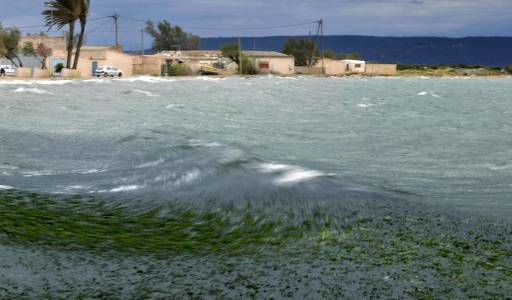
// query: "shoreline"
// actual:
[[416, 75]]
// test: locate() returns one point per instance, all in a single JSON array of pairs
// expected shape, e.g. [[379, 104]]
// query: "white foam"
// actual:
[[38, 173], [297, 175], [149, 94], [362, 105], [94, 171], [9, 167], [54, 82], [495, 167], [32, 91], [205, 78], [171, 106], [150, 164], [272, 168], [289, 174], [76, 187], [125, 188], [97, 80], [147, 79], [31, 82], [188, 177], [6, 187], [433, 94]]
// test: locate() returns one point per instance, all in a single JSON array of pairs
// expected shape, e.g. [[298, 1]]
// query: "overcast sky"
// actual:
[[452, 18]]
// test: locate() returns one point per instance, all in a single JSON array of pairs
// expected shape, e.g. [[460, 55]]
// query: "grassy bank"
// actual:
[[465, 257]]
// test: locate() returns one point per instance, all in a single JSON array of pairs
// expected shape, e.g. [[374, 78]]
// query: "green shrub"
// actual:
[[248, 66], [176, 70], [509, 69], [59, 67]]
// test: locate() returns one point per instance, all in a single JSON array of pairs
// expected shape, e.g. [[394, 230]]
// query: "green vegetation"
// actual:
[[176, 70], [248, 66], [73, 224], [61, 13], [166, 37], [303, 50], [306, 53], [351, 55], [509, 69], [41, 52], [452, 70], [468, 259], [59, 67], [3, 50], [231, 51], [333, 55], [9, 41]]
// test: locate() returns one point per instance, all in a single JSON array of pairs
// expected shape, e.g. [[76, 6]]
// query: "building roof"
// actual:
[[98, 47], [265, 54], [193, 53], [353, 61]]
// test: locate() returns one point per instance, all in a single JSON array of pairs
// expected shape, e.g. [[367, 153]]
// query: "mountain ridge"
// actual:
[[429, 50]]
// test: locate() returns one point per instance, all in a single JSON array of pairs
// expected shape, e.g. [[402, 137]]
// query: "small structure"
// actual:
[[271, 62], [382, 69], [212, 62], [338, 67], [345, 67], [92, 57], [354, 66], [159, 63], [57, 43]]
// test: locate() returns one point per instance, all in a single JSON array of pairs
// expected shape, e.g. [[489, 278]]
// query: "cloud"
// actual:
[[231, 17]]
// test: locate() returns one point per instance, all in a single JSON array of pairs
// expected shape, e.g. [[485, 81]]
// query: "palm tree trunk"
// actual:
[[19, 60], [11, 59], [70, 44], [80, 41]]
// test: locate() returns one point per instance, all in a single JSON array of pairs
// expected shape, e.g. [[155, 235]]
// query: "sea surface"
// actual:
[[298, 167]]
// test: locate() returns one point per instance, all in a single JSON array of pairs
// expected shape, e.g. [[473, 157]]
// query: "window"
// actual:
[[264, 65], [358, 65]]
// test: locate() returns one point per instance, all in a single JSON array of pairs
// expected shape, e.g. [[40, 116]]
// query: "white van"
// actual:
[[108, 71], [9, 70]]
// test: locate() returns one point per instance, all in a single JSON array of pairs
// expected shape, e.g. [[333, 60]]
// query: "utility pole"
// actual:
[[321, 24], [142, 50], [116, 25], [240, 67]]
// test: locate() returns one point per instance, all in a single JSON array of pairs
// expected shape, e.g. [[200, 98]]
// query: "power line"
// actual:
[[249, 28], [45, 26], [133, 19], [98, 27], [231, 28]]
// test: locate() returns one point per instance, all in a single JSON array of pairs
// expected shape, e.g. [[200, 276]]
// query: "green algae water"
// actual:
[[266, 187]]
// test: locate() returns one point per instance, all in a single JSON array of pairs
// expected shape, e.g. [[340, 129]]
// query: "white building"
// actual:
[[354, 66]]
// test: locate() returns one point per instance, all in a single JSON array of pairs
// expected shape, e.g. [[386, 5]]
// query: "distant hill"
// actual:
[[488, 51]]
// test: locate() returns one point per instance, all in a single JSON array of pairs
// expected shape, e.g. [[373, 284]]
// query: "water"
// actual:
[[374, 148]]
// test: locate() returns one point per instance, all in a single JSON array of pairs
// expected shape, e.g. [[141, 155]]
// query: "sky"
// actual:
[[228, 18]]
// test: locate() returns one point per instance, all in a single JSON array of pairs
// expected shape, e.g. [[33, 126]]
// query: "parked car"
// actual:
[[108, 71], [9, 70]]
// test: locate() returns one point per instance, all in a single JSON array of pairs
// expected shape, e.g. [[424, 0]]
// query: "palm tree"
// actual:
[[84, 11], [61, 13]]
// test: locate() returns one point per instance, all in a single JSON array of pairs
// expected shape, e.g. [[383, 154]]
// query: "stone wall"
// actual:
[[70, 73], [381, 69], [152, 65], [23, 72], [308, 70], [40, 73]]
